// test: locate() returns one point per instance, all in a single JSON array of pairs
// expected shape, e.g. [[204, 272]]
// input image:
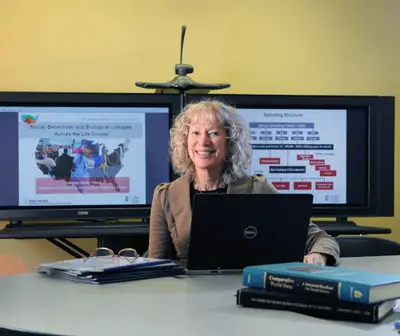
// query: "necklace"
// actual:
[[216, 190], [196, 186]]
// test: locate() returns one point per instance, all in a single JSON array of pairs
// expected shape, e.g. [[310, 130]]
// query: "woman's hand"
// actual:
[[315, 258]]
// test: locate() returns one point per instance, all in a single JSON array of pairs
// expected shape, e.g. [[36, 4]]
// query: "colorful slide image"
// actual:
[[86, 165], [301, 151], [68, 159]]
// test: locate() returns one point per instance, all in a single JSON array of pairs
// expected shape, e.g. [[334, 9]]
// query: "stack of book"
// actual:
[[100, 271], [321, 291]]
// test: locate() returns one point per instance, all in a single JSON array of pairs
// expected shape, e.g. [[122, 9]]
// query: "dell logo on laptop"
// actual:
[[250, 232], [83, 213]]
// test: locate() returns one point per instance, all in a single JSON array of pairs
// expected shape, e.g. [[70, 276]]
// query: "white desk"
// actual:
[[195, 305]]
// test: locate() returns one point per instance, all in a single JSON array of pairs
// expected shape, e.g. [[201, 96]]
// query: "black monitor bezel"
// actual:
[[381, 114], [89, 99]]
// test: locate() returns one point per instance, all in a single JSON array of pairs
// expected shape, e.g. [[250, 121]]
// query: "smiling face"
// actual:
[[207, 143]]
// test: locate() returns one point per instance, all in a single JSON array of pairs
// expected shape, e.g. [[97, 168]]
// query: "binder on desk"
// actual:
[[96, 270]]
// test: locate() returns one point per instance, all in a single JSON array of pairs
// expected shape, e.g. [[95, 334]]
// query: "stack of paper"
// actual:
[[100, 271]]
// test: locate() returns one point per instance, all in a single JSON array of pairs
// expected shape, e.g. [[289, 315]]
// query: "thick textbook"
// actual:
[[314, 306], [333, 282]]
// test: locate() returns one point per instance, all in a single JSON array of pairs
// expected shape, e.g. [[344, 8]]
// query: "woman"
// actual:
[[211, 149]]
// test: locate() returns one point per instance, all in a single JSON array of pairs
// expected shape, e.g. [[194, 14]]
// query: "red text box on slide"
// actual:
[[317, 162], [302, 185], [270, 160], [322, 167], [281, 185], [46, 186], [305, 156], [326, 173], [324, 185]]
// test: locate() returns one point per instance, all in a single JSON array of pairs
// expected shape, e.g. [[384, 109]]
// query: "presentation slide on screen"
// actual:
[[301, 151], [84, 157]]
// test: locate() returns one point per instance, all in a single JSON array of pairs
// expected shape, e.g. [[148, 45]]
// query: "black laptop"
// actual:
[[232, 231]]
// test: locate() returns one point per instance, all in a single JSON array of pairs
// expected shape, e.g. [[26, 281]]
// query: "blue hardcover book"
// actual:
[[333, 282]]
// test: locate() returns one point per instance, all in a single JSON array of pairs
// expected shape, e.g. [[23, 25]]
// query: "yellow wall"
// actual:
[[259, 46]]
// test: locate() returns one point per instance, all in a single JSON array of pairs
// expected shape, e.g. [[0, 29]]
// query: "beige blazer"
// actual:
[[171, 217]]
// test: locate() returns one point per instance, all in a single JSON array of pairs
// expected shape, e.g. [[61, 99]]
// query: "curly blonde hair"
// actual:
[[238, 159]]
